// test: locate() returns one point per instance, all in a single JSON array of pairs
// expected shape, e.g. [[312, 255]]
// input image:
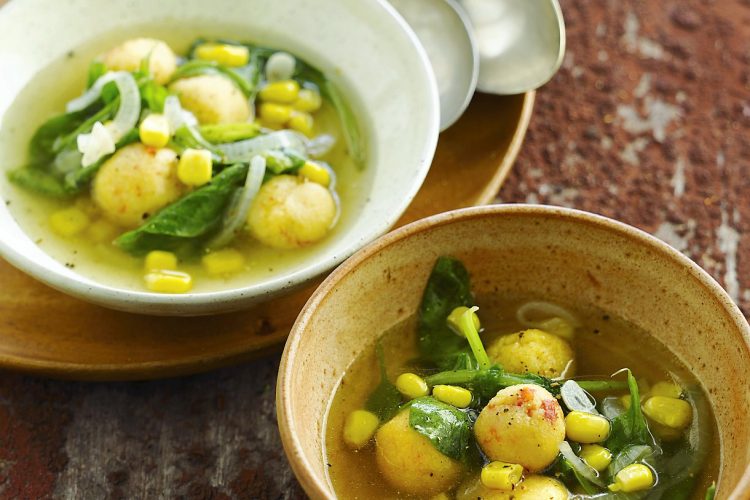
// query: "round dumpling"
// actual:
[[136, 182], [289, 212], [212, 99], [523, 424], [533, 487], [410, 462], [129, 54], [533, 351]]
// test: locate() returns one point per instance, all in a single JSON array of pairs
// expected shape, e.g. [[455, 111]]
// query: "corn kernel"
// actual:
[[671, 412], [666, 389], [169, 282], [159, 260], [455, 316], [598, 457], [101, 231], [225, 261], [69, 221], [315, 173], [280, 92], [359, 427], [194, 168], [154, 130], [308, 101], [301, 122], [635, 477], [559, 327], [501, 475], [586, 428], [441, 496], [222, 53], [275, 114], [412, 385], [452, 395]]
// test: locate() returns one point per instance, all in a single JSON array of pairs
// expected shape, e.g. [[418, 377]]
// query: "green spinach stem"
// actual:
[[466, 322]]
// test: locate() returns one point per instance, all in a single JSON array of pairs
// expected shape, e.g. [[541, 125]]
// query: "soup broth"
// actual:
[[93, 254], [602, 345]]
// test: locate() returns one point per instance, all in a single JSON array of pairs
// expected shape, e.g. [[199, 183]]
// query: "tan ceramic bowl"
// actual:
[[571, 256]]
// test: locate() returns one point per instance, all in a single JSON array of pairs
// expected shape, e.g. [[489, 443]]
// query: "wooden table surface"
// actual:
[[648, 121]]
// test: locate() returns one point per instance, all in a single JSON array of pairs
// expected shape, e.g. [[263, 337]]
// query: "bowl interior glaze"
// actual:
[[566, 255], [366, 49]]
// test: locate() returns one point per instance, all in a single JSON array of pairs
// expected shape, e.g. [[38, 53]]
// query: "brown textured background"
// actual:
[[648, 122]]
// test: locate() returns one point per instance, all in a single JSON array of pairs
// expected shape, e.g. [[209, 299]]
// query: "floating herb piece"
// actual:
[[630, 427], [447, 427], [447, 288], [385, 400], [185, 223]]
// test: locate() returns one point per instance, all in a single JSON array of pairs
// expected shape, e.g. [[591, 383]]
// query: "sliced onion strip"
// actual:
[[579, 466], [176, 115], [320, 145], [546, 310], [130, 101], [237, 213], [242, 151]]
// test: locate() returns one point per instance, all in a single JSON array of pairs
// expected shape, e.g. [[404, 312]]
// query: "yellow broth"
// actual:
[[45, 96], [603, 345]]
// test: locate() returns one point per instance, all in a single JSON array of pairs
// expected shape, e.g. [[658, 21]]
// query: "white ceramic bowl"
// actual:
[[363, 46]]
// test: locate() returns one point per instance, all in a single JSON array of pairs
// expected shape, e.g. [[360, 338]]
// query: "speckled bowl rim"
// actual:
[[317, 487], [203, 303]]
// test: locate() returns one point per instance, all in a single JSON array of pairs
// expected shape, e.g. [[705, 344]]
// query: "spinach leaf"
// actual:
[[189, 137], [96, 71], [447, 427], [385, 400], [110, 92], [352, 134], [464, 361], [711, 491], [486, 383], [183, 225], [40, 181], [283, 161], [41, 147], [448, 287], [229, 132], [102, 115], [153, 95], [630, 428], [602, 384]]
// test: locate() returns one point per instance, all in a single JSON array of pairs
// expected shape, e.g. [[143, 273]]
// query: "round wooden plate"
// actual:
[[45, 332]]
